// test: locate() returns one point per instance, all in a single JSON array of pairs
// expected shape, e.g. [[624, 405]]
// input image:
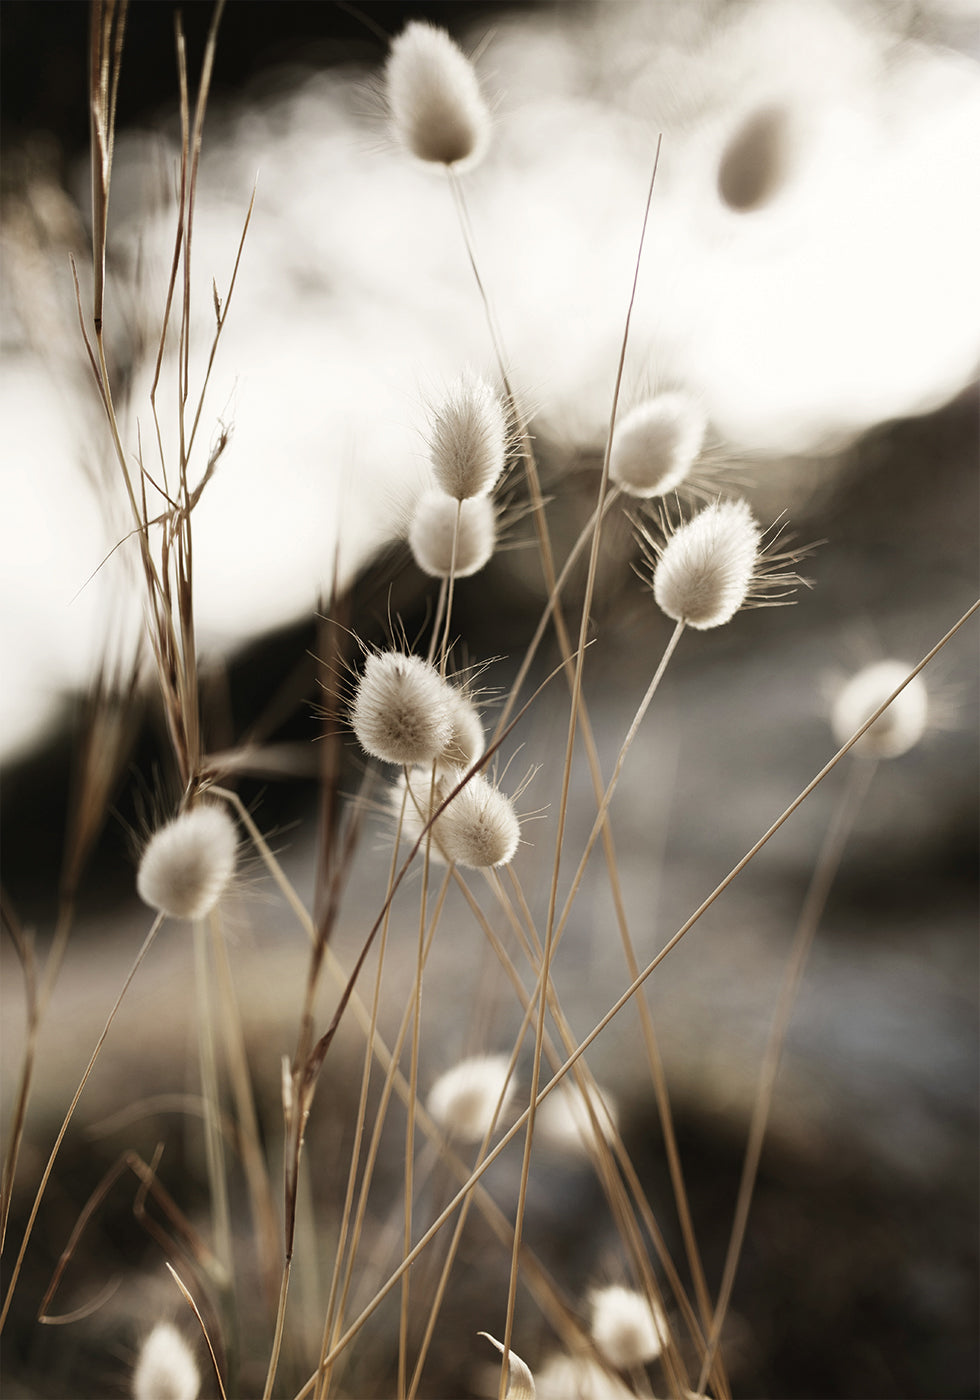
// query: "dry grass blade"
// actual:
[[46, 1175], [566, 781], [186, 1244], [24, 946], [188, 1298], [108, 23]]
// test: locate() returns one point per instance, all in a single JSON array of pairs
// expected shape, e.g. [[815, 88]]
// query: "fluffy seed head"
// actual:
[[625, 1328], [464, 1099], [424, 796], [469, 439], [657, 443], [437, 110], [187, 864], [564, 1124], [901, 726], [466, 739], [479, 828], [707, 566], [577, 1378], [165, 1370], [401, 711], [431, 534]]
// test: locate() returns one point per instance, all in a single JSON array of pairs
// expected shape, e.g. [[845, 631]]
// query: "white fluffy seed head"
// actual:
[[415, 807], [469, 439], [401, 711], [479, 828], [657, 443], [166, 1369], [577, 1378], [466, 738], [707, 566], [187, 865], [464, 1099], [901, 726], [564, 1124], [437, 110], [430, 534], [625, 1328]]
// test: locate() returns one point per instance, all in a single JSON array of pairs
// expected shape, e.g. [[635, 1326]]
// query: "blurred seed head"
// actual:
[[187, 865], [577, 1378], [901, 726], [656, 444], [166, 1369], [434, 525], [463, 1101], [625, 1328], [437, 110], [564, 1123]]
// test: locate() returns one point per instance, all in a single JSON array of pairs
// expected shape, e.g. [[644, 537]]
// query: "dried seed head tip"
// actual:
[[464, 1099], [625, 1328], [165, 1370], [469, 439], [901, 726], [434, 526], [657, 443], [707, 567], [479, 828], [401, 711], [520, 1381], [437, 110], [187, 864]]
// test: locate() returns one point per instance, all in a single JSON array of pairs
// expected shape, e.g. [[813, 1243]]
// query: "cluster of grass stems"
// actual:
[[162, 495]]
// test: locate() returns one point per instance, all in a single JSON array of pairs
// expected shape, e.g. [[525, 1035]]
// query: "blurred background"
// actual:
[[810, 274]]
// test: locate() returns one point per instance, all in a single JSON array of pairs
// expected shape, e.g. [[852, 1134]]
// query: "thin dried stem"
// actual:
[[39, 1196], [828, 863]]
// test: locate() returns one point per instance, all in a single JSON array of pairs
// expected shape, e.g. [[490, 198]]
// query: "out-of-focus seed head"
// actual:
[[901, 726], [625, 1328], [577, 1378], [657, 443], [187, 865], [564, 1124], [707, 567], [466, 740], [437, 110], [433, 526], [402, 709], [166, 1369], [469, 439], [463, 1101]]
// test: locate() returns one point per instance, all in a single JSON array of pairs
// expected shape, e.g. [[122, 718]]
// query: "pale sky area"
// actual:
[[842, 289]]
